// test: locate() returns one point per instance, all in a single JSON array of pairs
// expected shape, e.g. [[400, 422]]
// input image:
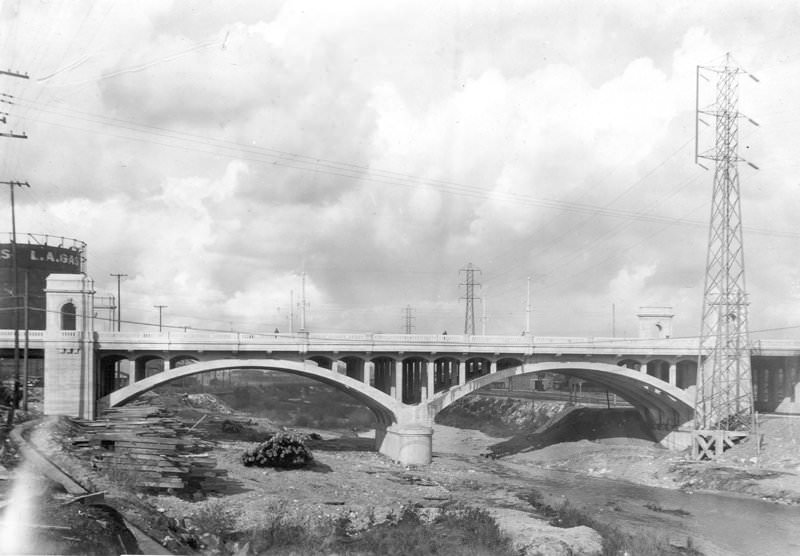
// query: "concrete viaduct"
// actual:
[[404, 379]]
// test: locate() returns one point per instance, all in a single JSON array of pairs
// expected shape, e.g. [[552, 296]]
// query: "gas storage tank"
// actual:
[[37, 257]]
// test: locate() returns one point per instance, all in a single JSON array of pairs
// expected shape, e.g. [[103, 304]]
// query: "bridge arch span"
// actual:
[[660, 403], [385, 408]]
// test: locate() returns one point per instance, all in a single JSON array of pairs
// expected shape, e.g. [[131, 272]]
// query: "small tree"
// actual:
[[283, 449]]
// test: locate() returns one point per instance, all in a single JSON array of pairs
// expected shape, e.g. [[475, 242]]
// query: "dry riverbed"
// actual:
[[348, 479]]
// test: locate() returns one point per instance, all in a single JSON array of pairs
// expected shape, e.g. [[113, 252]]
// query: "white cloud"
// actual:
[[213, 151]]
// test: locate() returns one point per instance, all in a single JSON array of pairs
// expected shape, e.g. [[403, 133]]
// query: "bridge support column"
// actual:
[[673, 373], [369, 370], [410, 444], [430, 370], [492, 367], [131, 366], [397, 385], [462, 373]]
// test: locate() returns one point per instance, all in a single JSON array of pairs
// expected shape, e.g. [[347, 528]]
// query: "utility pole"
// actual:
[[25, 350], [159, 307], [107, 302], [724, 395], [119, 300], [303, 303], [15, 294], [613, 320], [408, 318], [528, 310], [6, 98], [291, 311], [483, 316], [469, 296]]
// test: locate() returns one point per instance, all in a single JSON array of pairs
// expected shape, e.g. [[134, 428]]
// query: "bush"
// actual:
[[284, 450], [216, 518]]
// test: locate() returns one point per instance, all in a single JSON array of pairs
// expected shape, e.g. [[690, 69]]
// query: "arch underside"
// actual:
[[383, 406], [660, 402]]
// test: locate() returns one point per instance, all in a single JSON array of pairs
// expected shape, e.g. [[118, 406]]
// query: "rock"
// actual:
[[531, 536]]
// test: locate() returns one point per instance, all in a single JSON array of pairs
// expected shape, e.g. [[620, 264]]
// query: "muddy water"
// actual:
[[717, 524]]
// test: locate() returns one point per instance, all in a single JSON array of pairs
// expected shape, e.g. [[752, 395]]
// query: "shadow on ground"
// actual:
[[343, 444], [579, 423]]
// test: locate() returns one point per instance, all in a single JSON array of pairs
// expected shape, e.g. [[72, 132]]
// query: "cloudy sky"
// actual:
[[215, 151]]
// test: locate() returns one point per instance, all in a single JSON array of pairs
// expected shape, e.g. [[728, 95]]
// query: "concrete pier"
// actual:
[[406, 444]]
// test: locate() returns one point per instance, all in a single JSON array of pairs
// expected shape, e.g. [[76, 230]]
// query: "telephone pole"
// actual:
[[469, 295], [15, 294], [724, 395], [528, 310], [119, 300], [408, 318], [303, 303], [159, 307], [6, 98]]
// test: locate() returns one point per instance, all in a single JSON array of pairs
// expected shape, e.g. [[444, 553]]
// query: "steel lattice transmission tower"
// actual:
[[724, 395], [469, 295], [408, 319]]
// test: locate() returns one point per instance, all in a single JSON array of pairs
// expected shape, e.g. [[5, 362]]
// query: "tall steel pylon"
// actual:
[[724, 395], [469, 296]]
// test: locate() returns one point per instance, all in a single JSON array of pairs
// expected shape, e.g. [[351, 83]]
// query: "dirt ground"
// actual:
[[349, 479]]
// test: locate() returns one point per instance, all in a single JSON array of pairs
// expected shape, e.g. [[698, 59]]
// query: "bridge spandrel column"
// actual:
[[492, 367], [430, 370], [397, 385], [130, 365], [369, 370], [673, 373], [462, 372]]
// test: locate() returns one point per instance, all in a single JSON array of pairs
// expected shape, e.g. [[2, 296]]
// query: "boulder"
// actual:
[[532, 536]]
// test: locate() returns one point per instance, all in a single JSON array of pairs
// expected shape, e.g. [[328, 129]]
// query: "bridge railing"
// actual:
[[38, 334], [308, 341]]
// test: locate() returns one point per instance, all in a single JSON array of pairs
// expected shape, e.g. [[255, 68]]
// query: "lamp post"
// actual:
[[119, 300]]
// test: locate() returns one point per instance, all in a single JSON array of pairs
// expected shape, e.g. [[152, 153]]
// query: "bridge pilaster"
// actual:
[[69, 359]]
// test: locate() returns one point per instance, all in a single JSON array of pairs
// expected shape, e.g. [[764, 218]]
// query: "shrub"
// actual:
[[283, 450], [216, 518]]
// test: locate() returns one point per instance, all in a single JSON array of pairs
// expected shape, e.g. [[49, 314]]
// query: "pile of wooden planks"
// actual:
[[146, 446]]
